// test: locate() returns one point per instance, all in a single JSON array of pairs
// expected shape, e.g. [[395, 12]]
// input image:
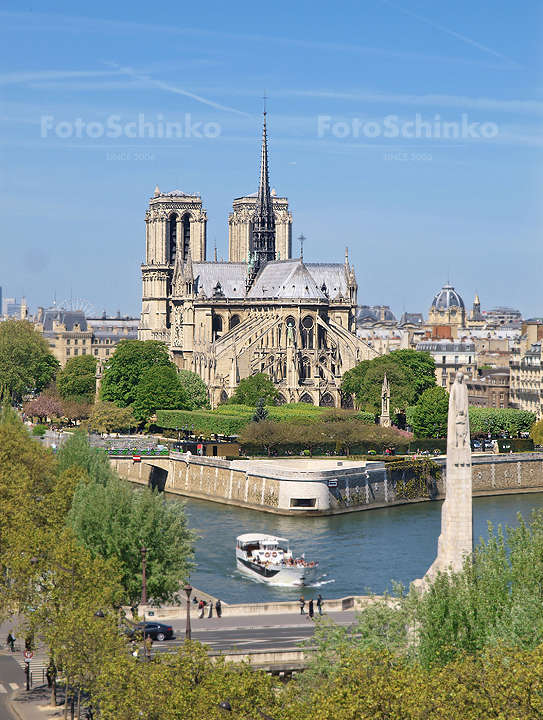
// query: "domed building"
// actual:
[[447, 309]]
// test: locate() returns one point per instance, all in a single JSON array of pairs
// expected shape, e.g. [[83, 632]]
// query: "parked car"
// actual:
[[154, 630], [489, 444], [476, 445]]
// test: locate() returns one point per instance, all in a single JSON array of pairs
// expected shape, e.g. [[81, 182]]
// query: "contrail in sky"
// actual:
[[171, 88], [484, 48]]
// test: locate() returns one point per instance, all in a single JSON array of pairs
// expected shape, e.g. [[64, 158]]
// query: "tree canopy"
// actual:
[[409, 373], [159, 389], [26, 362], [429, 417], [251, 389], [115, 521], [126, 367], [78, 378], [195, 388], [106, 417]]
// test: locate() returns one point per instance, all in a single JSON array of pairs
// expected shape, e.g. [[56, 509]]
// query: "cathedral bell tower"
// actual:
[[176, 232]]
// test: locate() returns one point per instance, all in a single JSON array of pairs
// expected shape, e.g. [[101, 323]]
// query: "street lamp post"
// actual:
[[188, 590]]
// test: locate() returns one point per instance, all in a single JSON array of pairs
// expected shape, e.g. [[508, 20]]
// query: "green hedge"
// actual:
[[505, 445], [231, 419], [205, 422]]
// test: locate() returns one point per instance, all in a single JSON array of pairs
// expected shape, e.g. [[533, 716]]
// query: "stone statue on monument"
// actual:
[[458, 420], [456, 539]]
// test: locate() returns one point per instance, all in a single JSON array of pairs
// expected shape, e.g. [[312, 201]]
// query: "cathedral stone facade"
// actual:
[[262, 311]]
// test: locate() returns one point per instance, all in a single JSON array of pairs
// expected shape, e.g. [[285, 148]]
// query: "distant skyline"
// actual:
[[360, 96]]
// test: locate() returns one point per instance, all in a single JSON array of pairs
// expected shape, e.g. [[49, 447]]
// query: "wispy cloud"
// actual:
[[21, 78], [529, 107], [444, 29], [171, 88], [41, 22]]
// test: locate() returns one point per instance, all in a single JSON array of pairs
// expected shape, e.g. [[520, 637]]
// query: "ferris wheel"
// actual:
[[84, 306]]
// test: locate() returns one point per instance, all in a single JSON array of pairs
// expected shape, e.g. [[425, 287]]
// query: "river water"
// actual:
[[356, 552]]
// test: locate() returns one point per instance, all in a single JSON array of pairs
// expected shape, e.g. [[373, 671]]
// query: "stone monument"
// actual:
[[456, 539], [384, 420]]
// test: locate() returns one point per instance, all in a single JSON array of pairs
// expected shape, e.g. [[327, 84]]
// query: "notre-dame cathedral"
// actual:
[[262, 311]]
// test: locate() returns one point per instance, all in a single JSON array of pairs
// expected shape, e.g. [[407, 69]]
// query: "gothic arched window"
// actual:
[[234, 320], [173, 237], [217, 327], [327, 401], [307, 332], [186, 236], [305, 368]]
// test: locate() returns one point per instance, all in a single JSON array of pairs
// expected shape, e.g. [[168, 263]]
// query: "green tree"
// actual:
[[536, 433], [26, 362], [251, 389], [401, 380], [126, 367], [409, 373], [106, 417], [429, 419], [195, 387], [159, 389], [421, 364], [266, 434], [77, 452], [115, 521], [78, 378], [261, 412]]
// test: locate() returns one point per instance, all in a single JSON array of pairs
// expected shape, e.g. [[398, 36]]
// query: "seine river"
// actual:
[[356, 552]]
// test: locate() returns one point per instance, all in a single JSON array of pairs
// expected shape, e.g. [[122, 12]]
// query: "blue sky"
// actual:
[[72, 217]]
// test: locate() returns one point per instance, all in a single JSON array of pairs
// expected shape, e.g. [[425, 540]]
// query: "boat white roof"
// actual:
[[259, 537]]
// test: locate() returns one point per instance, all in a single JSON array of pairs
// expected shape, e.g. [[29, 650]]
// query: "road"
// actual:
[[12, 678], [249, 632]]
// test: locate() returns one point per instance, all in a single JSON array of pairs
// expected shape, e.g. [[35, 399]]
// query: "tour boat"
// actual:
[[269, 559]]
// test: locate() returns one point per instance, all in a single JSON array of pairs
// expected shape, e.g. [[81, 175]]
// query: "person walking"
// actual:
[[201, 609], [311, 612], [302, 605], [320, 603], [210, 609], [10, 641], [218, 608]]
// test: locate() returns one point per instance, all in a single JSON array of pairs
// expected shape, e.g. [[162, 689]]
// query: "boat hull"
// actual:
[[278, 574]]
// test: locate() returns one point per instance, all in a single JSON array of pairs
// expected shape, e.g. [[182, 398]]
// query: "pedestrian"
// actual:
[[320, 603], [10, 641], [210, 609], [302, 605], [201, 609], [218, 608], [311, 612], [195, 600]]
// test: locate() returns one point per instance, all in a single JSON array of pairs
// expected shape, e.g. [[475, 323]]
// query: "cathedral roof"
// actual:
[[447, 298], [230, 276], [292, 279], [286, 279]]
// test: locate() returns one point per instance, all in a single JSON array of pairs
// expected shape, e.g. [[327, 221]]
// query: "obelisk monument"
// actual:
[[456, 539]]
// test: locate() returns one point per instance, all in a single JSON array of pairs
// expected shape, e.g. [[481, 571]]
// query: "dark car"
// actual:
[[154, 630]]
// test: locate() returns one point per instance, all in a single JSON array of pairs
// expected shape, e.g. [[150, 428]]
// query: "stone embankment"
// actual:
[[301, 486], [174, 612]]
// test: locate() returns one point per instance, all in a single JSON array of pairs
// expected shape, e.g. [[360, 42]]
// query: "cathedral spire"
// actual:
[[264, 218]]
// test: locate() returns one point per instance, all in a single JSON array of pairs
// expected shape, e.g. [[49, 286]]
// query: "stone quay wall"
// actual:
[[316, 487]]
